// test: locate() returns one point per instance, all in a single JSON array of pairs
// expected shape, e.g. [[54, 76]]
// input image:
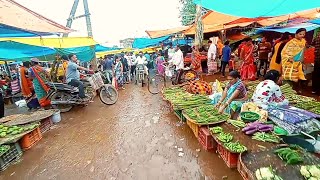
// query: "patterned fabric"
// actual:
[[235, 106], [241, 87], [40, 88], [199, 87], [291, 64], [119, 73], [268, 93], [196, 62], [160, 67]]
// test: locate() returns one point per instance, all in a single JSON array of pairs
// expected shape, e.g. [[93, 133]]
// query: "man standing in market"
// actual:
[[316, 71], [178, 61], [212, 52], [264, 48]]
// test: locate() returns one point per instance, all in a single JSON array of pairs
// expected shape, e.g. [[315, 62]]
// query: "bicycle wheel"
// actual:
[[155, 83]]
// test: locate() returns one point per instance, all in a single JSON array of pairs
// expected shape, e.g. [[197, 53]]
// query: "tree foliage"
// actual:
[[187, 12]]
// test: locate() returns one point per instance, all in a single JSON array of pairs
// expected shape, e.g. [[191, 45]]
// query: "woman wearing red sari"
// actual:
[[27, 87], [248, 69]]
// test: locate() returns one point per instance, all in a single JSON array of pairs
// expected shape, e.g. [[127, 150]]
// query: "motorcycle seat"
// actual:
[[59, 85]]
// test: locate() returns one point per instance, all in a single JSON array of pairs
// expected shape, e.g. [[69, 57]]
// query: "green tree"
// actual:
[[187, 12]]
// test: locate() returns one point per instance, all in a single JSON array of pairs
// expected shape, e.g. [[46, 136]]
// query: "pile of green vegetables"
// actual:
[[289, 155], [205, 114], [266, 137], [216, 130], [4, 149], [235, 147], [267, 173], [226, 139], [174, 92], [14, 130], [311, 172]]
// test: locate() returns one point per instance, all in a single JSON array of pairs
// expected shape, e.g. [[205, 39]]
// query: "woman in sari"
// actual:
[[196, 60], [292, 58], [27, 87], [39, 77], [248, 70], [233, 96], [159, 62], [118, 70], [275, 63]]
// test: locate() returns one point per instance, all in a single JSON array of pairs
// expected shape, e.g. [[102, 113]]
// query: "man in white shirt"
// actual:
[[177, 59], [212, 51], [142, 60]]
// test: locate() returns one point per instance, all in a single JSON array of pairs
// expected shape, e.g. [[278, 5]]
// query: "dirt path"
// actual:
[[138, 138]]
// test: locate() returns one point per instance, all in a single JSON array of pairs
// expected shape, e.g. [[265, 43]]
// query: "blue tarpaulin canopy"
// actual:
[[9, 31], [290, 29], [100, 48], [10, 50], [140, 43], [261, 8], [315, 21]]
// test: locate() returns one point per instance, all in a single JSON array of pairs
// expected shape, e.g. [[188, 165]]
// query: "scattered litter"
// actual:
[[170, 135], [176, 147], [88, 162], [224, 177], [181, 154], [12, 173], [181, 139], [180, 149], [198, 150]]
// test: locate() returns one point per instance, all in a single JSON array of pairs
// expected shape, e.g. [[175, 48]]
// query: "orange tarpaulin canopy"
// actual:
[[214, 28], [16, 15], [161, 33], [310, 14]]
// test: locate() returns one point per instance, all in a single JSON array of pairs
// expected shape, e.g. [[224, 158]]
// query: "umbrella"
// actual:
[[261, 8]]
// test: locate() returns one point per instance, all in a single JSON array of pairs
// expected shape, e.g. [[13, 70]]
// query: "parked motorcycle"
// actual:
[[140, 74], [64, 97]]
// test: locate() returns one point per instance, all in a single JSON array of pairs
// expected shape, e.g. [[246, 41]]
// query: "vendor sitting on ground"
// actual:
[[268, 92], [233, 96]]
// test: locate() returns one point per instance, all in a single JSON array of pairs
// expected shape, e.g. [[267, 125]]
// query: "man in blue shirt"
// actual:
[[73, 74], [226, 55]]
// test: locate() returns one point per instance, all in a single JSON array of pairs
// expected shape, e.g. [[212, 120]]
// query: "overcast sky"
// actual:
[[112, 20]]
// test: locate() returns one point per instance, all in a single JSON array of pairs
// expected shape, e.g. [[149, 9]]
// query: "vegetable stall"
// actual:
[[21, 132], [278, 146]]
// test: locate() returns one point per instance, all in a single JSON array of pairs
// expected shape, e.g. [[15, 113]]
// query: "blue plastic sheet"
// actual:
[[10, 50], [140, 43], [9, 31], [315, 21], [100, 48], [261, 8], [84, 54], [290, 29]]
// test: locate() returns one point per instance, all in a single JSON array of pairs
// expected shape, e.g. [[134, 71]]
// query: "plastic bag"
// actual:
[[212, 66], [216, 87], [168, 72]]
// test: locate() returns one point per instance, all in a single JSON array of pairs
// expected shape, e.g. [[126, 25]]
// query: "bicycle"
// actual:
[[158, 81]]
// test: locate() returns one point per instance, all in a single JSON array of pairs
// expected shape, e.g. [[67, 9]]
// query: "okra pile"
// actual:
[[205, 114], [266, 137], [235, 147]]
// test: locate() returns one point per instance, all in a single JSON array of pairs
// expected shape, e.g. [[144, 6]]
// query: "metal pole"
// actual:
[[88, 20], [71, 16]]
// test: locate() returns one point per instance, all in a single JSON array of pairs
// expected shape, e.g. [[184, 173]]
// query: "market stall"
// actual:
[[280, 146], [21, 132]]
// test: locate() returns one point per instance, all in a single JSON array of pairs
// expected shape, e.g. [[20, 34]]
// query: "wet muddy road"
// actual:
[[138, 138]]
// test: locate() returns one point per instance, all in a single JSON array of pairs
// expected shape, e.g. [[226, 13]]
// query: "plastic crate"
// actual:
[[194, 127], [45, 125], [206, 140], [11, 156], [30, 139], [179, 114], [244, 172], [231, 159]]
